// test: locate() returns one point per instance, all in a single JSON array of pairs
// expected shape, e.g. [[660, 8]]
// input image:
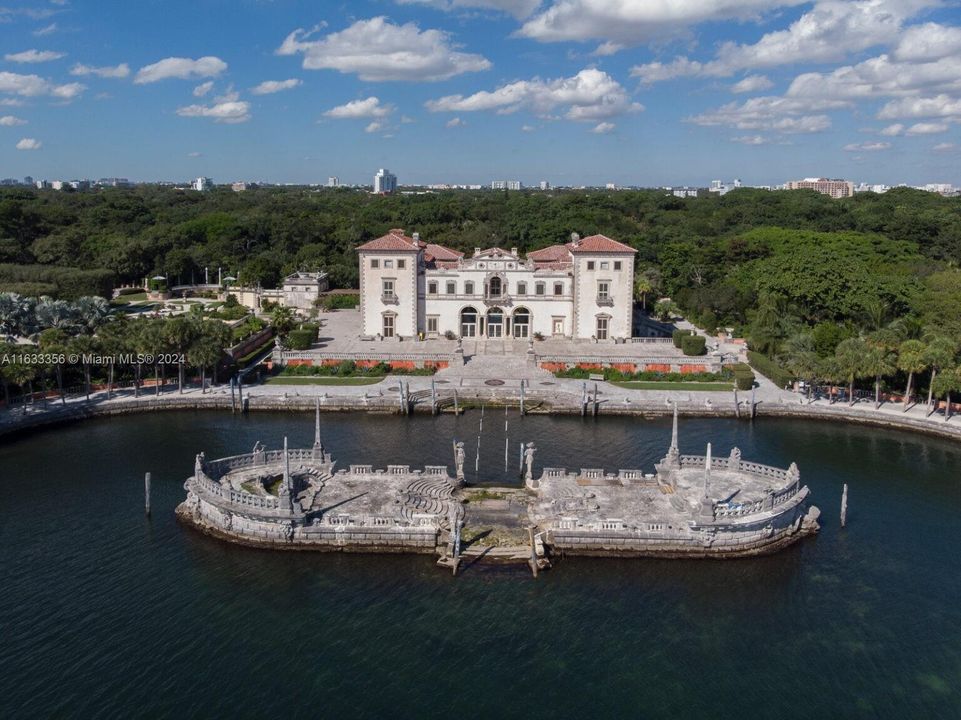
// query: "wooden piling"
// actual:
[[737, 405], [233, 407], [533, 561], [146, 493], [753, 404], [844, 505], [456, 407]]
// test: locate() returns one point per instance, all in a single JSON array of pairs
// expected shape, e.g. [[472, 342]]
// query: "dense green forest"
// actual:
[[775, 265]]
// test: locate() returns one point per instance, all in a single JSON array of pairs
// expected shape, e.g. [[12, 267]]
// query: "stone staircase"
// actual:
[[509, 368]]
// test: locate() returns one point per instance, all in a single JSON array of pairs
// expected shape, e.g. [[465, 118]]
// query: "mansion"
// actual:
[[581, 290]]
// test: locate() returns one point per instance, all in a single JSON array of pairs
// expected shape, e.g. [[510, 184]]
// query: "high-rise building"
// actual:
[[507, 185], [333, 181], [384, 182], [544, 185], [202, 184], [834, 188]]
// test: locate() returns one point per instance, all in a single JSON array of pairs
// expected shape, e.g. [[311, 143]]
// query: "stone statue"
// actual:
[[459, 456], [288, 532], [793, 474], [529, 459], [199, 465], [228, 521], [734, 461]]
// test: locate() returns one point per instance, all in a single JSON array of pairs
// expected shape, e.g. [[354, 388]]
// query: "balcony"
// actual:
[[605, 301], [492, 300], [389, 299]]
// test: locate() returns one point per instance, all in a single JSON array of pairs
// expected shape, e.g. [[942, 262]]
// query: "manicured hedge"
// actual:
[[694, 345], [68, 283], [301, 338], [679, 335], [743, 376], [769, 369]]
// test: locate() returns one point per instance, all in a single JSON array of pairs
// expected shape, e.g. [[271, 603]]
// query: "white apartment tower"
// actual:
[[384, 182]]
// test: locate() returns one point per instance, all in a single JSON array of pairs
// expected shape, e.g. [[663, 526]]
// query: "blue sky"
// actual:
[[466, 91]]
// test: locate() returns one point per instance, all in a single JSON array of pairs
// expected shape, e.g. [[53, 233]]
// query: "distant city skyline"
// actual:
[[578, 92]]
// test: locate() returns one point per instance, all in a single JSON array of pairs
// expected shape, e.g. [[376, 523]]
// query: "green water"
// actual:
[[106, 614]]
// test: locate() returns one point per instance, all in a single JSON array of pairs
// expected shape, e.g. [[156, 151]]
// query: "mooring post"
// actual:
[[477, 456], [595, 399], [583, 399], [844, 505], [737, 407], [506, 450], [533, 560], [232, 398], [433, 398], [520, 464], [753, 404], [456, 408], [146, 493], [522, 398]]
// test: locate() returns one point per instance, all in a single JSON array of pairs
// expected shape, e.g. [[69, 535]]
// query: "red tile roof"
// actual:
[[439, 252], [599, 244], [553, 253], [394, 240]]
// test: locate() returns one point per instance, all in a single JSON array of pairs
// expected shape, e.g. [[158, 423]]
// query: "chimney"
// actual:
[[476, 252], [397, 231], [575, 239], [514, 251], [416, 237]]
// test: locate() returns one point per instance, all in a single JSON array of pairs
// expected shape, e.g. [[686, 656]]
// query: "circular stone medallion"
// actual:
[[494, 382]]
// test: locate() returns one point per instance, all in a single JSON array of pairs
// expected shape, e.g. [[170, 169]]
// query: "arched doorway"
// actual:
[[468, 322], [495, 323], [522, 323]]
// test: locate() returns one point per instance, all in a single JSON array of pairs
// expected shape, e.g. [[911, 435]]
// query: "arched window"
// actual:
[[468, 322], [522, 323], [494, 287], [495, 322]]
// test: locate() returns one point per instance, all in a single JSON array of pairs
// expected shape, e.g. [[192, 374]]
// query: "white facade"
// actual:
[[302, 289], [202, 184], [583, 289], [385, 181], [507, 185]]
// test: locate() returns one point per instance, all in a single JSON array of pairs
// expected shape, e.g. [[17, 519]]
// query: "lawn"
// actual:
[[655, 385], [320, 380]]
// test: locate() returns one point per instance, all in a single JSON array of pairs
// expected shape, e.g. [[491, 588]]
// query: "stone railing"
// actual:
[[651, 340], [315, 355], [623, 476], [235, 497], [723, 463]]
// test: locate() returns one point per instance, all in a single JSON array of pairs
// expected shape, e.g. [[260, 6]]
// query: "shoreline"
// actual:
[[77, 411]]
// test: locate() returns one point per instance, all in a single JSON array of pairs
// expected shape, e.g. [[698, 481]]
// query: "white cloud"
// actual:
[[607, 48], [893, 130], [46, 30], [590, 95], [11, 121], [35, 86], [226, 109], [195, 154], [751, 140], [867, 147], [520, 9], [771, 113], [528, 128], [942, 105], [752, 83], [34, 56], [374, 126], [927, 128], [180, 68], [108, 71], [636, 22], [603, 128], [369, 108], [927, 42], [944, 147], [455, 122], [880, 76], [828, 32], [378, 51], [268, 87], [29, 144], [203, 88], [406, 120]]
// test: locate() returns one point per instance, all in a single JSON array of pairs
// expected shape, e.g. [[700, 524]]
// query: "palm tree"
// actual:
[[84, 346], [878, 361], [149, 340], [946, 383], [939, 354], [801, 359], [642, 286], [53, 341], [203, 353], [179, 334], [22, 375], [91, 312], [849, 356], [911, 360]]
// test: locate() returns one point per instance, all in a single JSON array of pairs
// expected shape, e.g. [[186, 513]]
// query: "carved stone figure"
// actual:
[[529, 460], [734, 461], [228, 521], [459, 456]]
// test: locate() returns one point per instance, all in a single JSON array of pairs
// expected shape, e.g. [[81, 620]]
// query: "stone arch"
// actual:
[[521, 321]]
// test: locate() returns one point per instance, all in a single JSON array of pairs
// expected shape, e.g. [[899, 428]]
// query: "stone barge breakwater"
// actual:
[[692, 506]]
